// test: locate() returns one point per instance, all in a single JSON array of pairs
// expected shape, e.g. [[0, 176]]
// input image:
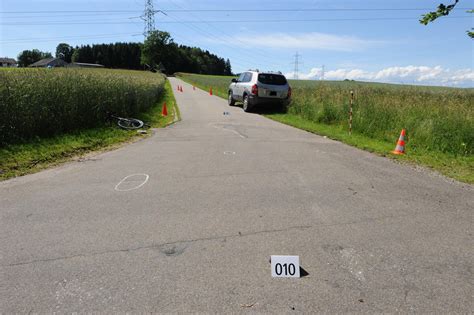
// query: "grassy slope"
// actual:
[[21, 159], [458, 167]]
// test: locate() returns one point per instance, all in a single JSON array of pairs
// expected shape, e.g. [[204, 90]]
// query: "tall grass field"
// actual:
[[46, 102], [439, 121]]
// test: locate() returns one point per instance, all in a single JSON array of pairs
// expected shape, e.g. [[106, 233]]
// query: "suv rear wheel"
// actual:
[[246, 105], [230, 99]]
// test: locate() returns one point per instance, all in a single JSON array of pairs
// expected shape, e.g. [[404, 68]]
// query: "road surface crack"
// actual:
[[133, 249], [203, 239]]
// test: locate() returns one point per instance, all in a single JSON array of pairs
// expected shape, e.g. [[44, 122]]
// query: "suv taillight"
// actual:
[[289, 92], [254, 89]]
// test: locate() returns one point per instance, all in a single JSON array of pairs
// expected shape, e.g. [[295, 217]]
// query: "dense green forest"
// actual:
[[178, 58], [158, 52], [116, 55]]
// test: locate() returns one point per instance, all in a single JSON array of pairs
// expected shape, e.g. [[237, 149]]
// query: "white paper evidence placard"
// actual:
[[285, 266]]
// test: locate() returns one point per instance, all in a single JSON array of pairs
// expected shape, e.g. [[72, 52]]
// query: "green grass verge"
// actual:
[[39, 154], [218, 83], [459, 167]]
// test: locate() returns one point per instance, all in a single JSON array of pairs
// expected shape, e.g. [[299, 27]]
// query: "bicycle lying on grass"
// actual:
[[128, 123]]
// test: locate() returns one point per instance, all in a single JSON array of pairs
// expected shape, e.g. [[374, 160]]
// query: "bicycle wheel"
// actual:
[[130, 123]]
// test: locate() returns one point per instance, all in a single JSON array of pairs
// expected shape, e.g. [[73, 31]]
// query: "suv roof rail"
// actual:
[[277, 72], [256, 70]]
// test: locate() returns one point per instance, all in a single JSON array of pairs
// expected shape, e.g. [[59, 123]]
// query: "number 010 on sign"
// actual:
[[285, 266]]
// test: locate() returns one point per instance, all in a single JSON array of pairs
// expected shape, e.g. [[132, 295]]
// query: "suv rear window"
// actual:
[[275, 79]]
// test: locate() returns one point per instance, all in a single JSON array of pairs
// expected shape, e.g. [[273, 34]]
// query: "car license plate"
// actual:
[[273, 93]]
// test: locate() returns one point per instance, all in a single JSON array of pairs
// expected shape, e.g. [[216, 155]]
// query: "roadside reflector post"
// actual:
[[350, 113]]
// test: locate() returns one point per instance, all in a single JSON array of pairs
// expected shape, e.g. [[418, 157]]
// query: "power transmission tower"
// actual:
[[149, 18], [297, 64]]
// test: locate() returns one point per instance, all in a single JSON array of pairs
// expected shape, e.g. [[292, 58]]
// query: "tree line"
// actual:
[[158, 52], [28, 57]]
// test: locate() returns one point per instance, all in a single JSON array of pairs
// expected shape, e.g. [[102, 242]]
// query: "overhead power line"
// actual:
[[226, 10], [225, 37], [48, 39], [69, 14], [307, 9], [245, 54], [101, 22]]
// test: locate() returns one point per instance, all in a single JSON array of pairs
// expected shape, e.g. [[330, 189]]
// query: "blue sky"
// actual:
[[365, 44]]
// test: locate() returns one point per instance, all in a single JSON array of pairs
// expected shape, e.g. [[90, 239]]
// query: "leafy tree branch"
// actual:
[[443, 10]]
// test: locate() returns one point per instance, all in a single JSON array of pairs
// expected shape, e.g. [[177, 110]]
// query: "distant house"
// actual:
[[7, 62], [84, 65], [49, 63]]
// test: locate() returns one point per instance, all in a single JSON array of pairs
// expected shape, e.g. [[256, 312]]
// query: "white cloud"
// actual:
[[410, 74], [318, 41]]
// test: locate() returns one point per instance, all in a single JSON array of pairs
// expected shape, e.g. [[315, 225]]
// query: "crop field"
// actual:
[[30, 155], [46, 102], [436, 118]]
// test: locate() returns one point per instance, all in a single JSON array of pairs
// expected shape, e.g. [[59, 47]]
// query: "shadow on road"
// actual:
[[303, 273], [267, 110]]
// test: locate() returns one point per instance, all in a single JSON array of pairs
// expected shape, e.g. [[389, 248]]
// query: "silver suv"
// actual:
[[259, 88]]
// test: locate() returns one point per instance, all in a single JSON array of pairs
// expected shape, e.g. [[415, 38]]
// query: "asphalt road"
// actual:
[[210, 199]]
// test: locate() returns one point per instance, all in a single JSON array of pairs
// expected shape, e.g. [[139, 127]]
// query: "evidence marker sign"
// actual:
[[285, 266]]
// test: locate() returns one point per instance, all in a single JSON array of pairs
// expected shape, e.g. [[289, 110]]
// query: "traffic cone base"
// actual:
[[400, 148], [164, 112]]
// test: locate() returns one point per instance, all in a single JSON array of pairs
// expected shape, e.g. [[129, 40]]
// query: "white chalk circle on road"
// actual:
[[132, 182]]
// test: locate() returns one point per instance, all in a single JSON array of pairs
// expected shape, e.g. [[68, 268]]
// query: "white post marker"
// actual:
[[285, 266]]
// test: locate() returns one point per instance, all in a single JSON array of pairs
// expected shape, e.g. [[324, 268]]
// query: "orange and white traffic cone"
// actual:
[[210, 91], [164, 111], [400, 148]]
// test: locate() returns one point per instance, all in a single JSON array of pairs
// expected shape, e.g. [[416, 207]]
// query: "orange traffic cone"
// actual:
[[177, 88], [164, 112], [210, 91], [182, 88], [400, 148]]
